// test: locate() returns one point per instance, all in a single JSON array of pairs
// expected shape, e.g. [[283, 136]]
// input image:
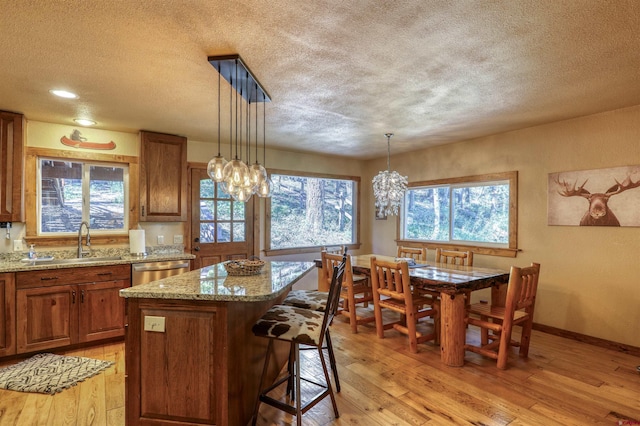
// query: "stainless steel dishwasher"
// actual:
[[142, 273]]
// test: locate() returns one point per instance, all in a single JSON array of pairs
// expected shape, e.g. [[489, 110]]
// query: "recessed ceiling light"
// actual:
[[84, 122], [64, 94]]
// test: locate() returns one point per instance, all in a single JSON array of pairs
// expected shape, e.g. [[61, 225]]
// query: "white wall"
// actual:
[[590, 276], [590, 279]]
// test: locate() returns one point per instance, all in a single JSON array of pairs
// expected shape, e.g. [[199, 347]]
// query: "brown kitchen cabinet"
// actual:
[[11, 167], [7, 315], [63, 307], [163, 177]]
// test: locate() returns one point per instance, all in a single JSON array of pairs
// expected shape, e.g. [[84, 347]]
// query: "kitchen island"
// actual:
[[191, 358]]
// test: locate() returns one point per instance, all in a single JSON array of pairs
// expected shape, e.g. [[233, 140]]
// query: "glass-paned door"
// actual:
[[221, 228]]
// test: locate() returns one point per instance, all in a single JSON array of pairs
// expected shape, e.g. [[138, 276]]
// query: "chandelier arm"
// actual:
[[264, 130], [219, 78], [236, 105], [231, 116], [256, 122]]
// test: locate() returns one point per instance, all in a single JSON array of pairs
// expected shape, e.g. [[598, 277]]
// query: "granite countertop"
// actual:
[[213, 284], [104, 257]]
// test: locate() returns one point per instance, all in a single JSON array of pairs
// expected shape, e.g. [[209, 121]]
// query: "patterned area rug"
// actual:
[[49, 373]]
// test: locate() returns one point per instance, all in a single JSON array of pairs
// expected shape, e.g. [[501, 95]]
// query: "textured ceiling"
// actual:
[[340, 73]]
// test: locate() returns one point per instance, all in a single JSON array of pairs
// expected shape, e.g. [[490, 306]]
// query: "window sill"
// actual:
[[489, 251], [302, 250]]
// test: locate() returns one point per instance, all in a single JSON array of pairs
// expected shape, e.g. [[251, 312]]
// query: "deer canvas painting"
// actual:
[[601, 197]]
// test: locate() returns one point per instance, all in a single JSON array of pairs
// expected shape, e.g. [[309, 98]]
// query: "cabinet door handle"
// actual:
[[82, 297], [48, 278], [73, 297]]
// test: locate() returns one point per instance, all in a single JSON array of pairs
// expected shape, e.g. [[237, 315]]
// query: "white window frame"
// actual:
[[508, 249], [355, 243], [86, 166]]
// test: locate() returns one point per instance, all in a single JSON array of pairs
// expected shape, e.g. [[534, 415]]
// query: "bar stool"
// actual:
[[299, 327]]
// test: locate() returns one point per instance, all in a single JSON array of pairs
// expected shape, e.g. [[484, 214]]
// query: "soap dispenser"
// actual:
[[32, 252]]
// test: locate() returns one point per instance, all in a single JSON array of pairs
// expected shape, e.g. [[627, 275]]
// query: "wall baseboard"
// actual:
[[596, 341]]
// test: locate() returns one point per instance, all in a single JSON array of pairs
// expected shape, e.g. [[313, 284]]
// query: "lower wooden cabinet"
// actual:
[[54, 310], [7, 315]]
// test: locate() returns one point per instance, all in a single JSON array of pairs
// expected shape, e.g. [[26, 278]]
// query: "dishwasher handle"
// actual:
[[144, 268]]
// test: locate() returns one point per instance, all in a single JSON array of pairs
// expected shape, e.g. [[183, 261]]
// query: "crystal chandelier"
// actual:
[[389, 187], [236, 177]]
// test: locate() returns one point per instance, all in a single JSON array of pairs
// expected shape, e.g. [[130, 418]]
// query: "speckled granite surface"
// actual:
[[212, 283], [12, 262]]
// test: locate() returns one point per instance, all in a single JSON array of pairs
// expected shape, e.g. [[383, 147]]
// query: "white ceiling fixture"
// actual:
[[63, 94], [84, 122]]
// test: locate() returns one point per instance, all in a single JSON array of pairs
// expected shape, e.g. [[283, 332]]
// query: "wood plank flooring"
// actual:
[[564, 382]]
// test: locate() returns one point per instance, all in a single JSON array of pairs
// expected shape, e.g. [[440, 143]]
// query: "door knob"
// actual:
[[196, 240], [196, 248]]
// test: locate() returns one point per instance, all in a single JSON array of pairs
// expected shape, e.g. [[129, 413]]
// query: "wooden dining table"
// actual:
[[451, 281]]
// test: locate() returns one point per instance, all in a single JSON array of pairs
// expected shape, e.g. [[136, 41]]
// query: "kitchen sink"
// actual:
[[84, 260]]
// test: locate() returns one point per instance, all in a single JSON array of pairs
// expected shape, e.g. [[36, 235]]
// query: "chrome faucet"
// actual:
[[80, 251]]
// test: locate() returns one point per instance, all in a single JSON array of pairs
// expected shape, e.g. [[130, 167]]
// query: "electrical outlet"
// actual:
[[177, 239], [160, 240], [152, 323], [17, 245]]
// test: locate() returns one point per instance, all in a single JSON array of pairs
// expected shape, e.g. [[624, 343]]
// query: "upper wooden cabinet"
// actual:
[[163, 178], [11, 168]]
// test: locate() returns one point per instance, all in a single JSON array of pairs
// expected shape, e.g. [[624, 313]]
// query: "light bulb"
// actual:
[[264, 190], [215, 168], [257, 174]]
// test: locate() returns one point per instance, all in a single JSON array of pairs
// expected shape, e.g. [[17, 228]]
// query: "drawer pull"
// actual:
[[48, 278], [105, 273]]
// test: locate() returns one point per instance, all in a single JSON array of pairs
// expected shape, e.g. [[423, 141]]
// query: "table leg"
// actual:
[[452, 336], [499, 295]]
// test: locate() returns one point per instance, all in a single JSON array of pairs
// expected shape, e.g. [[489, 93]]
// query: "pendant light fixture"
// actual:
[[257, 172], [216, 164], [264, 189], [236, 178], [389, 187]]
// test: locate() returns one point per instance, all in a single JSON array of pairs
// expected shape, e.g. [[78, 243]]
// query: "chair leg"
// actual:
[[328, 381], [503, 348], [296, 349], [332, 360], [377, 310], [525, 339], [254, 419], [411, 328], [290, 365], [484, 333]]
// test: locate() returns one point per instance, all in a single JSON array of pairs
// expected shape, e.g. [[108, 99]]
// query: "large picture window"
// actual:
[[71, 191], [471, 211], [310, 211]]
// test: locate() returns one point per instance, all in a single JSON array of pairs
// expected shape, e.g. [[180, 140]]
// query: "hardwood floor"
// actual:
[[564, 382], [98, 400]]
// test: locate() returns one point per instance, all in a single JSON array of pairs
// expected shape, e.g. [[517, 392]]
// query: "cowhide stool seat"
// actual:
[[299, 326], [307, 299]]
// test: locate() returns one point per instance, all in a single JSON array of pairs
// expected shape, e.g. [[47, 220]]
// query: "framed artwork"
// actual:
[[599, 197]]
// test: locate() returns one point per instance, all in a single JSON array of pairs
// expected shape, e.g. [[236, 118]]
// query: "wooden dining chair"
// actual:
[[299, 327], [392, 290], [356, 290], [496, 322], [418, 254], [455, 257], [333, 250]]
